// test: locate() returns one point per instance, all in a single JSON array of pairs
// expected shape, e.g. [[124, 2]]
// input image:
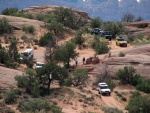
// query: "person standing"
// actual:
[[83, 60], [76, 61]]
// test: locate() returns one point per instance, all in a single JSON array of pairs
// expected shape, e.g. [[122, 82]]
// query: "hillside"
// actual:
[[82, 99]]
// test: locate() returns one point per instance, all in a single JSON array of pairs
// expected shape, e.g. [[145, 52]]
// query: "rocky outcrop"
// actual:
[[18, 22], [49, 8]]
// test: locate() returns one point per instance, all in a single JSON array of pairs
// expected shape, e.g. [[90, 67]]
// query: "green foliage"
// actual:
[[128, 17], [30, 82], [139, 18], [68, 18], [111, 110], [5, 109], [139, 104], [5, 27], [55, 27], [128, 75], [78, 38], [80, 77], [21, 80], [17, 91], [115, 28], [144, 86], [38, 105], [10, 97], [110, 83], [100, 47], [10, 11], [16, 12], [29, 29], [121, 54], [57, 73], [95, 22], [5, 58], [66, 53], [47, 39], [13, 50]]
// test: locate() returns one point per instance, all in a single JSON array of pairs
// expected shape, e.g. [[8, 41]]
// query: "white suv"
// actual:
[[39, 65], [103, 89]]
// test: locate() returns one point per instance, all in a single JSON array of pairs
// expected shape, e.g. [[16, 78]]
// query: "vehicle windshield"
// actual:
[[106, 33], [120, 39], [104, 87], [25, 54], [39, 64]]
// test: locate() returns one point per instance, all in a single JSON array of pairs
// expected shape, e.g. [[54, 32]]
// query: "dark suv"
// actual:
[[95, 31], [106, 34]]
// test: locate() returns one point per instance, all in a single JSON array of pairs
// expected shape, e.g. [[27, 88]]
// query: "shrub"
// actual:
[[110, 83], [139, 104], [10, 97], [127, 75], [111, 110], [78, 38], [29, 29], [17, 91], [37, 105], [46, 39], [21, 80], [121, 54], [144, 86], [4, 26], [95, 22], [10, 11], [100, 47]]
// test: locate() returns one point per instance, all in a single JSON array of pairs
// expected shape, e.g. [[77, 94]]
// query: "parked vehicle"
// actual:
[[28, 53], [120, 41], [39, 65], [103, 89], [106, 34], [95, 31]]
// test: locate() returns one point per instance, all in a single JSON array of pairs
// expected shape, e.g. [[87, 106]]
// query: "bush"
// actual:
[[100, 47], [78, 38], [121, 54], [10, 11], [144, 86], [21, 80], [37, 105], [139, 104], [10, 97], [111, 110], [5, 27], [127, 75], [46, 39], [29, 29], [110, 83], [95, 22]]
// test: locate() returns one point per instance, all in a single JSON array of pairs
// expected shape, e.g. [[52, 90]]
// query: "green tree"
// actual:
[[55, 27], [139, 104], [50, 72], [29, 81], [29, 29], [80, 77], [127, 17], [78, 38], [38, 105], [115, 28], [66, 53], [13, 50], [5, 27], [68, 18], [128, 75], [47, 39], [95, 22], [99, 46], [10, 11], [144, 86], [10, 97]]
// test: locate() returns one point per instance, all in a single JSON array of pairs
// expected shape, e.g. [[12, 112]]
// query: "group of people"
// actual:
[[76, 61]]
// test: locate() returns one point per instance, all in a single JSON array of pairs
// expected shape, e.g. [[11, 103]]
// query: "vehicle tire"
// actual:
[[99, 92], [109, 94]]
